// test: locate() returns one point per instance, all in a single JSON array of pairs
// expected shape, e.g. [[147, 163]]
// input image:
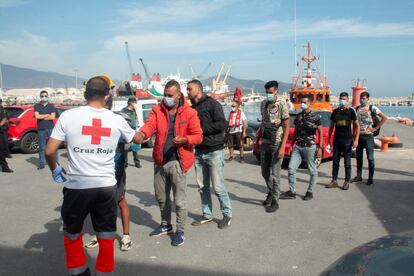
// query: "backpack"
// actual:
[[375, 119]]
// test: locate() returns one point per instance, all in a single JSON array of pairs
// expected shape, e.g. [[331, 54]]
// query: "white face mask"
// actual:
[[44, 98], [233, 109], [168, 101], [270, 97]]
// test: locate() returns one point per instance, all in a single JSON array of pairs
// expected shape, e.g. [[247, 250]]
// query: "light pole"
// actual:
[[76, 78]]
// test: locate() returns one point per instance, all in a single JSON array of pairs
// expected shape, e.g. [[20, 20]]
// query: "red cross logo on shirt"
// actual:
[[96, 131]]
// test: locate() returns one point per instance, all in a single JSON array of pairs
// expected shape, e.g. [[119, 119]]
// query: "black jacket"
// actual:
[[213, 123]]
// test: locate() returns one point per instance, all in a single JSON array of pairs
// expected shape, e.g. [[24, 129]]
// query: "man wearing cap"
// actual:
[[91, 133], [45, 114], [130, 111]]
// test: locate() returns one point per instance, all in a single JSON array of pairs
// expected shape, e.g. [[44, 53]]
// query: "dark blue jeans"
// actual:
[[365, 142], [342, 146], [43, 135]]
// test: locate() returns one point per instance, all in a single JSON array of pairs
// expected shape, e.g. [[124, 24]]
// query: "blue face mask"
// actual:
[[168, 101], [342, 102], [363, 102], [304, 106], [270, 97]]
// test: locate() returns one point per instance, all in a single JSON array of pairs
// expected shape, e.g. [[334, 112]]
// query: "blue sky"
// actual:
[[372, 40]]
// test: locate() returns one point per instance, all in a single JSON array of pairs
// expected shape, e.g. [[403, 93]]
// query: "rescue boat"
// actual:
[[311, 84]]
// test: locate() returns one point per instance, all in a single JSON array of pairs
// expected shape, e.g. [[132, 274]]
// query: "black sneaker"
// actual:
[[357, 179], [230, 159], [7, 170], [178, 238], [308, 196], [288, 195], [41, 167], [273, 206], [370, 182], [201, 221], [346, 185], [9, 156], [225, 222], [268, 200], [162, 230], [138, 165]]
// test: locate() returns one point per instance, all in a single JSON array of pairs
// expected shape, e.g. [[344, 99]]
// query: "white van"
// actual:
[[143, 109]]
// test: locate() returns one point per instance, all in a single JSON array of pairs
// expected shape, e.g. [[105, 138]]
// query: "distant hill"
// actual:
[[247, 85], [17, 77]]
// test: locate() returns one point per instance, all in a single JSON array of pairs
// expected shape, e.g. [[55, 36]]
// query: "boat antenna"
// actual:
[[1, 81], [295, 37], [324, 61]]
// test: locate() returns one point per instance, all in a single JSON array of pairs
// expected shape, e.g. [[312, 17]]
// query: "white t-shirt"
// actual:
[[92, 136], [243, 120]]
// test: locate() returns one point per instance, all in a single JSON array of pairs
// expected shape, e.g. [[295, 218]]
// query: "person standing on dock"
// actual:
[[92, 133], [274, 134], [130, 111], [178, 130], [236, 130], [370, 119], [307, 124], [345, 122], [210, 155], [3, 144], [45, 114]]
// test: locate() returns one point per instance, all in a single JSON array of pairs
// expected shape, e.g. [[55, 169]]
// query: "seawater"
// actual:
[[252, 111]]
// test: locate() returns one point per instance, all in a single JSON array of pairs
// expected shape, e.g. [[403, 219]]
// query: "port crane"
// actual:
[[203, 73], [131, 70], [145, 70]]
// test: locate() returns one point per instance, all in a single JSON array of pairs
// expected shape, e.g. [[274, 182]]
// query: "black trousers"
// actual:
[[100, 203], [3, 152]]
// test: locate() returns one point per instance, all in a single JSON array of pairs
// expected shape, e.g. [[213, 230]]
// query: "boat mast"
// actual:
[[296, 72]]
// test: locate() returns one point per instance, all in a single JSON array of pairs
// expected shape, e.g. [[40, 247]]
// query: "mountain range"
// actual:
[[17, 77]]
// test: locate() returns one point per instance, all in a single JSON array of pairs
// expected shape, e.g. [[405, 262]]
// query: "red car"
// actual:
[[23, 127], [325, 120]]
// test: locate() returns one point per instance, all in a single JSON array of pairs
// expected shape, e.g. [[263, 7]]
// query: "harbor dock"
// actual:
[[301, 238]]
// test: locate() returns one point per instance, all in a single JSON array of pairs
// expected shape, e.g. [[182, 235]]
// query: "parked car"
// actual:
[[325, 120], [22, 132]]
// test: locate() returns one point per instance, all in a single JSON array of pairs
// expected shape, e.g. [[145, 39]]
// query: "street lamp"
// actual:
[[76, 78]]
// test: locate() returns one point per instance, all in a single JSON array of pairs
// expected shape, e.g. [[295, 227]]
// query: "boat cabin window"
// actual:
[[293, 97], [319, 98], [309, 96], [327, 98]]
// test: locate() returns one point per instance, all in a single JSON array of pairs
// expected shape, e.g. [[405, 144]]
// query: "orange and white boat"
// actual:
[[311, 84]]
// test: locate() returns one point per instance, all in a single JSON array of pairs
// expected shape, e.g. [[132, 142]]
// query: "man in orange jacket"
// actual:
[[178, 131]]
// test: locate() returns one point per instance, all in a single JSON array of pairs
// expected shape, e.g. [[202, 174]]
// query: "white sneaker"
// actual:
[[126, 243], [92, 243]]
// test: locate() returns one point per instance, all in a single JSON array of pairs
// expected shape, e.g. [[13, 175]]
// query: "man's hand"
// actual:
[[319, 152], [281, 153], [355, 144], [58, 174], [178, 141]]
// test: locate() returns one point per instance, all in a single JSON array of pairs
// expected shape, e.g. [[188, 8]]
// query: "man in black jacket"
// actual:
[[210, 155]]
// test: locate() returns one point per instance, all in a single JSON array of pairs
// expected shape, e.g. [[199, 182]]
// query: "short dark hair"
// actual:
[[96, 88], [364, 94], [44, 92], [196, 82], [271, 84], [172, 83], [344, 94], [132, 100]]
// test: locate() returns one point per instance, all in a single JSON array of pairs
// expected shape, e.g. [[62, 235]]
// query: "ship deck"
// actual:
[[301, 238]]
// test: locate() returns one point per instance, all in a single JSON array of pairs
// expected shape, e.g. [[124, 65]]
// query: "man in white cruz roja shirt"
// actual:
[[91, 133]]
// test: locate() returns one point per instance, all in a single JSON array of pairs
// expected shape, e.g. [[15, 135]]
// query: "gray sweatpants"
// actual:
[[166, 177]]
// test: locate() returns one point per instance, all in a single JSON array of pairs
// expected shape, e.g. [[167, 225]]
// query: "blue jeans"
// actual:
[[342, 146], [209, 167], [271, 166], [366, 142], [43, 136], [300, 154]]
